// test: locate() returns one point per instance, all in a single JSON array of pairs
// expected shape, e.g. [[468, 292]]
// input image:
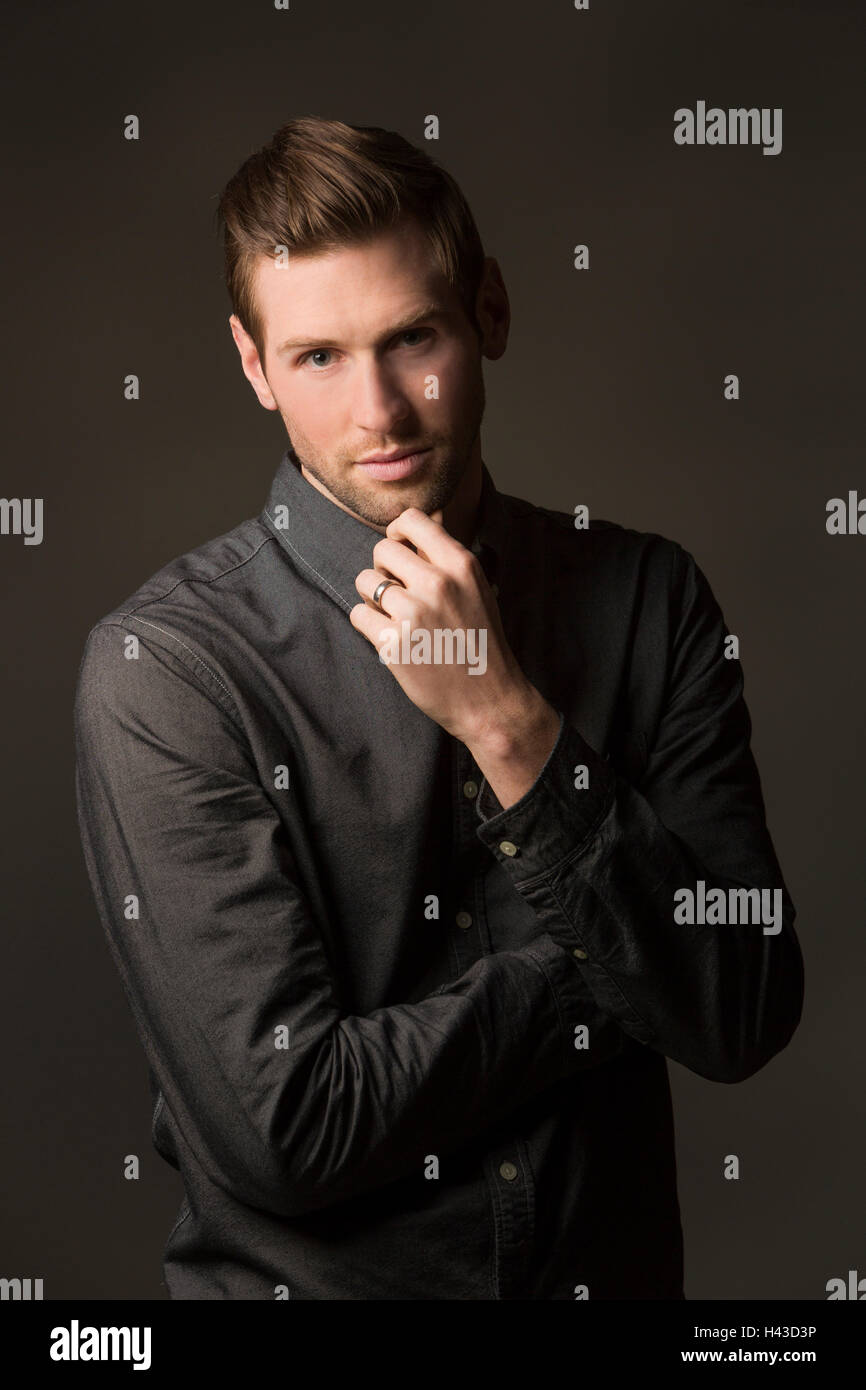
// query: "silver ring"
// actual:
[[380, 589]]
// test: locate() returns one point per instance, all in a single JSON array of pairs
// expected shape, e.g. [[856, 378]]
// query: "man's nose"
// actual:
[[380, 402]]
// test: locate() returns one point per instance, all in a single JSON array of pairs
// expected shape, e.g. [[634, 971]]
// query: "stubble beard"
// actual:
[[429, 493]]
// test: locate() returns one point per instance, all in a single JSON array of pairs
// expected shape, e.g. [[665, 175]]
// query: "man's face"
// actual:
[[368, 351]]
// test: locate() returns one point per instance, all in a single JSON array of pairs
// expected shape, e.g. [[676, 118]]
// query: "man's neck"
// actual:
[[460, 516]]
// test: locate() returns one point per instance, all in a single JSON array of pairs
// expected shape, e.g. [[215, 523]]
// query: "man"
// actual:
[[422, 821]]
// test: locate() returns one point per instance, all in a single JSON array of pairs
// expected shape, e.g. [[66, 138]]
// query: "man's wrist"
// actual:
[[512, 752]]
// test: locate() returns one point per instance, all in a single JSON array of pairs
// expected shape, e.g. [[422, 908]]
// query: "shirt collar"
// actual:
[[332, 547]]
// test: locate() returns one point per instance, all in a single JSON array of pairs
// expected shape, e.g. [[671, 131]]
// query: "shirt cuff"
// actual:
[[566, 802]]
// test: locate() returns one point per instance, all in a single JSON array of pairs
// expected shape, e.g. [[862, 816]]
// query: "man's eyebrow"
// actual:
[[427, 311]]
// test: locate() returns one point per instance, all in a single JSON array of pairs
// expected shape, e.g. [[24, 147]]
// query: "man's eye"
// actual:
[[419, 332], [316, 352]]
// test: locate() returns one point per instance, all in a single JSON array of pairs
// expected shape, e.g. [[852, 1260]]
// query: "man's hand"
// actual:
[[504, 721]]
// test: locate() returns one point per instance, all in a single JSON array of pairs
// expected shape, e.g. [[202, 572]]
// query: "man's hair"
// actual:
[[320, 185]]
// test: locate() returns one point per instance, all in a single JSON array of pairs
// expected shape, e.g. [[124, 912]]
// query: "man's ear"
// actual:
[[252, 367], [492, 310]]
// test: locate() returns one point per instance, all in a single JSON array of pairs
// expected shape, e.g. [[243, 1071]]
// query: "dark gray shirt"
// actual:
[[405, 1044]]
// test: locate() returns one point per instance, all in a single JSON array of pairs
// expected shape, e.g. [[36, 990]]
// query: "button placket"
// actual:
[[467, 939], [512, 1189]]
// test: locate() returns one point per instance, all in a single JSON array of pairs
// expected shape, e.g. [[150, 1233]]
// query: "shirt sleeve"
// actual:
[[286, 1102], [604, 864]]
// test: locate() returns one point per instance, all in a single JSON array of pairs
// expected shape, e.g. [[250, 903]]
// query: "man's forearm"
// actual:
[[512, 753]]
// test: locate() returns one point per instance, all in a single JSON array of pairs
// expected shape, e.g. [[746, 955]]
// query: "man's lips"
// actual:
[[388, 468]]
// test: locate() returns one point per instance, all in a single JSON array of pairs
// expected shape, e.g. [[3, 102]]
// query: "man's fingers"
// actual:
[[426, 533], [368, 581], [396, 559], [370, 622]]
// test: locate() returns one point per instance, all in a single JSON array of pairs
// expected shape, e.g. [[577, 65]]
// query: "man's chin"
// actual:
[[396, 494], [378, 501], [383, 502]]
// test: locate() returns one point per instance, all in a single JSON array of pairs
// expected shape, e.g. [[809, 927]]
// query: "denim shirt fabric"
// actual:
[[405, 1044]]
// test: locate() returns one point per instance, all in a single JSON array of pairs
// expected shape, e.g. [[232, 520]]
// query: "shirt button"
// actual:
[[470, 789], [581, 955], [507, 847], [508, 1171], [463, 920]]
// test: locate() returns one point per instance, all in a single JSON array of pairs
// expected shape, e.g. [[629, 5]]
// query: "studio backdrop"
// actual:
[[685, 358]]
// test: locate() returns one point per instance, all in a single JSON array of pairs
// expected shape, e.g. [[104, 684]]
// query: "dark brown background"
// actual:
[[704, 261]]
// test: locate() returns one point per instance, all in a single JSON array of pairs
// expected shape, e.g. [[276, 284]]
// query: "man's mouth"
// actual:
[[390, 467]]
